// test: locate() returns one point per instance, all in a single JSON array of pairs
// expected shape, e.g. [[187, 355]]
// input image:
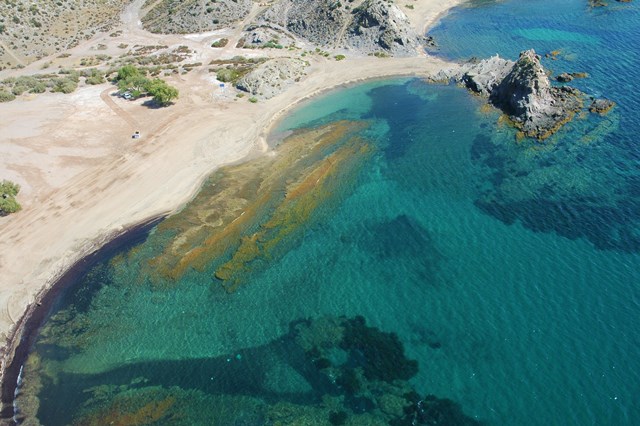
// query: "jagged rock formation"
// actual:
[[192, 16], [522, 90], [31, 30], [483, 77], [527, 96], [382, 25], [374, 26], [272, 77]]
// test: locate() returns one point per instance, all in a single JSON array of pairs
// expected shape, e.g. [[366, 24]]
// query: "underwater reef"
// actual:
[[324, 371]]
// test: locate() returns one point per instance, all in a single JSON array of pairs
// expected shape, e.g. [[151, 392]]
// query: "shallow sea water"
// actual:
[[508, 270]]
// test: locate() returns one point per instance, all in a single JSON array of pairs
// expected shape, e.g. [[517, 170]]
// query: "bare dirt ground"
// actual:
[[84, 179]]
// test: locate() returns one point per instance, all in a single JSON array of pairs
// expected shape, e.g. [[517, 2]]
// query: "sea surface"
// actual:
[[401, 258]]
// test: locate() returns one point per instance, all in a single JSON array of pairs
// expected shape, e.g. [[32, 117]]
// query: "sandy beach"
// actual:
[[85, 180]]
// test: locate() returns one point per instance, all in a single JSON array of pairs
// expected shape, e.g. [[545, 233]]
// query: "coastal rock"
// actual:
[[520, 89], [579, 75], [527, 96], [564, 77], [601, 106], [272, 77], [483, 77]]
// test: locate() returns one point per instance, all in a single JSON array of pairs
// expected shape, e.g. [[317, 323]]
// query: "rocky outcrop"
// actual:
[[380, 25], [318, 21], [564, 77], [483, 77], [373, 26], [192, 16], [522, 90], [601, 106], [272, 77]]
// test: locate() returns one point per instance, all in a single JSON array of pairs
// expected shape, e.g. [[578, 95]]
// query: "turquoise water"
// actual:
[[508, 270]]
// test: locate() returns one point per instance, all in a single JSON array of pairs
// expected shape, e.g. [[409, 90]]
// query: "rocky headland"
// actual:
[[522, 90]]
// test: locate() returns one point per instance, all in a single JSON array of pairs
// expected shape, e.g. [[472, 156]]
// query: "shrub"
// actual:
[[39, 87], [8, 192], [220, 43], [64, 85], [340, 57], [253, 99], [93, 76], [227, 75], [18, 90], [6, 96]]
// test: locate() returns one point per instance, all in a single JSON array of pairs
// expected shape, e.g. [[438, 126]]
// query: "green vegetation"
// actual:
[[220, 43], [64, 85], [379, 54], [134, 80], [6, 96], [93, 76], [8, 192], [228, 75], [253, 99], [340, 57], [162, 93]]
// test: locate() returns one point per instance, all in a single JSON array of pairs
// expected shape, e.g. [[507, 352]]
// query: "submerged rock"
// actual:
[[601, 106], [564, 78]]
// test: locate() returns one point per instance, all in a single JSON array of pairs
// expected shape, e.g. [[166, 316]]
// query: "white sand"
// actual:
[[85, 180]]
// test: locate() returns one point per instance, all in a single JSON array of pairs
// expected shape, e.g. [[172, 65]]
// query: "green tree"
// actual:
[[127, 72], [162, 93], [135, 83], [8, 192]]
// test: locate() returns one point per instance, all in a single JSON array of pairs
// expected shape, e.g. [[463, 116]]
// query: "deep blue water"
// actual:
[[508, 270]]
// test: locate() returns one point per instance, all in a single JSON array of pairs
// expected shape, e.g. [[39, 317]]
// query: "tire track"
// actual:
[[115, 108]]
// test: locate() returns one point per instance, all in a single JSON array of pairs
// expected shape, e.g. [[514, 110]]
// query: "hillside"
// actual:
[[192, 16], [32, 30]]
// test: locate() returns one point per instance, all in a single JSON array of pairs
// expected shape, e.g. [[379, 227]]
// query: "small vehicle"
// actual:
[[127, 95], [136, 135]]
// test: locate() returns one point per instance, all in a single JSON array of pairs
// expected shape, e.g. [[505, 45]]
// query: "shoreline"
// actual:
[[31, 321], [45, 280]]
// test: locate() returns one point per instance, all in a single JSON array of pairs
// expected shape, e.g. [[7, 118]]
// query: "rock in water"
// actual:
[[564, 77], [601, 106], [526, 95], [521, 89]]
